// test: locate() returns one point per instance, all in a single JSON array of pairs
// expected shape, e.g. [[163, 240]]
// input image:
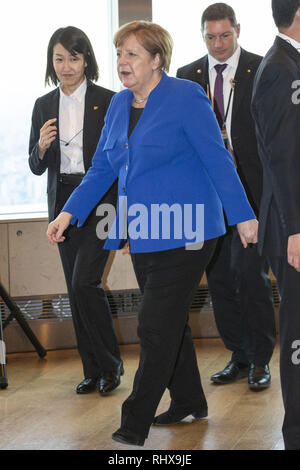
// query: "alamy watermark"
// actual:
[[2, 353], [296, 353], [160, 221], [296, 94]]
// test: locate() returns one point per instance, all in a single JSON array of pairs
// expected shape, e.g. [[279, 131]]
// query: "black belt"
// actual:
[[73, 179]]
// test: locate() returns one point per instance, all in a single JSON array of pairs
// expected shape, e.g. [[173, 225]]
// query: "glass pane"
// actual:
[[26, 28]]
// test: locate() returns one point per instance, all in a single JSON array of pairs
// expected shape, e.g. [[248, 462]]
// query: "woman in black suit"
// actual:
[[66, 126]]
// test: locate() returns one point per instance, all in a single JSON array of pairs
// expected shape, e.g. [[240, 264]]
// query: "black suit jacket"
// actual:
[[97, 100], [242, 126], [277, 119]]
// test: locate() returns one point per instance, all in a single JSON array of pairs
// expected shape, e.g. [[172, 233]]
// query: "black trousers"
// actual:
[[83, 259], [242, 299], [168, 281], [288, 280]]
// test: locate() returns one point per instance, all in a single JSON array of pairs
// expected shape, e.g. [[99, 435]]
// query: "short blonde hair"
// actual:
[[154, 38]]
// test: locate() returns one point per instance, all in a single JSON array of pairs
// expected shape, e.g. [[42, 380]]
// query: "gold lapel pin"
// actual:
[[249, 70], [96, 107]]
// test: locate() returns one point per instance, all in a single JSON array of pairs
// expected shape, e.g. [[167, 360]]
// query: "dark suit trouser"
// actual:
[[289, 331], [83, 261], [241, 293], [168, 281]]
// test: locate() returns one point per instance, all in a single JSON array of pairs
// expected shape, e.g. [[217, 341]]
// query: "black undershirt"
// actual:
[[135, 115]]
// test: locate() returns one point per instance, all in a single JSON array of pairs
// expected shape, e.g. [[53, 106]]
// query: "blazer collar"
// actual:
[[90, 112], [154, 99], [288, 48], [244, 74], [89, 121], [202, 72], [156, 91], [53, 111]]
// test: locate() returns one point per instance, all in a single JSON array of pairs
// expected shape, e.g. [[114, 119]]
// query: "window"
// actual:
[[183, 21], [25, 32]]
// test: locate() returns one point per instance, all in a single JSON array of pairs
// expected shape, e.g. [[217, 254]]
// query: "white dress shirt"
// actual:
[[292, 41], [228, 74], [71, 116]]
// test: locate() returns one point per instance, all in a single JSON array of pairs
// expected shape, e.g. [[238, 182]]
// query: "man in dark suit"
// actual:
[[66, 127], [238, 278], [276, 111]]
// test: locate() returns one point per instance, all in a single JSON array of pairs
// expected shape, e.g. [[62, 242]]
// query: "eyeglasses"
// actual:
[[68, 143], [223, 37]]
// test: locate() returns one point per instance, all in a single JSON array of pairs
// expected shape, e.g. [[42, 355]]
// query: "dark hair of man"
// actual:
[[74, 41], [284, 12], [217, 12]]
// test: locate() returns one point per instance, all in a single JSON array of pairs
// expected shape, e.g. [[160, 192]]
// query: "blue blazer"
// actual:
[[175, 155]]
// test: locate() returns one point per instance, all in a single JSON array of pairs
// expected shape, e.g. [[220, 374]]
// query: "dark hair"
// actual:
[[219, 11], [76, 42], [284, 12]]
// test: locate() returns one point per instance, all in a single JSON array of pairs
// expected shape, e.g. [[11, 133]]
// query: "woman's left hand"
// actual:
[[248, 231]]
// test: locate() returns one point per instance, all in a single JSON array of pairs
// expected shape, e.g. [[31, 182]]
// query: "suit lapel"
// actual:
[[53, 112], [90, 108], [201, 75], [245, 72]]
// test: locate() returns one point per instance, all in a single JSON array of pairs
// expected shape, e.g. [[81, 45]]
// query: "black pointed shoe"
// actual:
[[232, 372], [88, 385], [108, 381], [128, 438], [172, 416], [259, 377]]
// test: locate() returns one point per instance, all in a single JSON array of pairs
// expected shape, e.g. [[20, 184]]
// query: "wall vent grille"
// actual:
[[122, 303]]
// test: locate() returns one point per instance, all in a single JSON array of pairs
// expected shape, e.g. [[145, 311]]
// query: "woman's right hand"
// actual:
[[57, 227], [47, 135]]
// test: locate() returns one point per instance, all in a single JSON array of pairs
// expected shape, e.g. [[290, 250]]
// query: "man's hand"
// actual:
[[293, 252], [248, 231], [57, 228]]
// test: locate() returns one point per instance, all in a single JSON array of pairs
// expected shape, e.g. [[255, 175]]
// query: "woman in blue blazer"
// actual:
[[161, 139]]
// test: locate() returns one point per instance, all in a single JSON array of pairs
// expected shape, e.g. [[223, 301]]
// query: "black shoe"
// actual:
[[126, 437], [232, 372], [108, 381], [87, 386], [172, 416], [259, 377]]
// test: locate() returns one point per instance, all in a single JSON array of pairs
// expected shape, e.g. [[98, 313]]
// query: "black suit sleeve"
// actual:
[[277, 121], [37, 166]]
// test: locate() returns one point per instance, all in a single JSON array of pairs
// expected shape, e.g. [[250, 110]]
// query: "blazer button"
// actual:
[[126, 146], [126, 167], [124, 190]]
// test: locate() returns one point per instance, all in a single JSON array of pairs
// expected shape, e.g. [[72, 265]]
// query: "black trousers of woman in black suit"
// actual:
[[168, 281], [84, 260]]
